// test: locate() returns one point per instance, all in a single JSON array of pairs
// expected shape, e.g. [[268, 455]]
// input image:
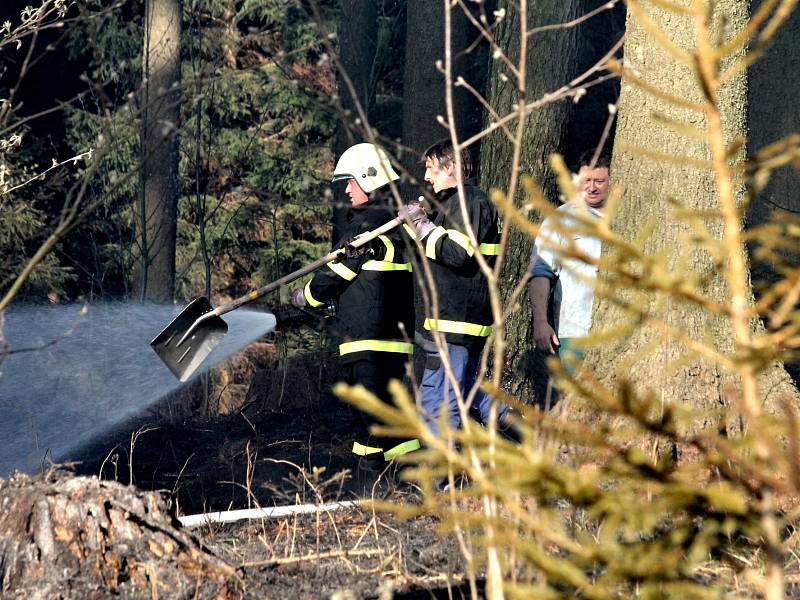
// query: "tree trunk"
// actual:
[[772, 104], [67, 536], [424, 84], [156, 212], [551, 64], [647, 358], [357, 47], [590, 117]]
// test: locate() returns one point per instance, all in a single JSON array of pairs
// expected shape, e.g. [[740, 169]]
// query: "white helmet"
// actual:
[[368, 165]]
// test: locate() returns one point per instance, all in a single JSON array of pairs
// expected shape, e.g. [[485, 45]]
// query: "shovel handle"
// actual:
[[320, 262]]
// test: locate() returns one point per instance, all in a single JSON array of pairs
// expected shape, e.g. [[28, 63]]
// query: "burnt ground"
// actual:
[[251, 457], [272, 453], [354, 554]]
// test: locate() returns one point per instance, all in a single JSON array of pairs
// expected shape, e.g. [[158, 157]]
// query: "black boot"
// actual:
[[508, 426], [369, 473]]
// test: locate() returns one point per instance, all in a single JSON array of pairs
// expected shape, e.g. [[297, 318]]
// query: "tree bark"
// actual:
[[648, 359], [156, 211], [425, 94], [551, 64], [590, 117], [64, 536], [424, 84], [357, 47]]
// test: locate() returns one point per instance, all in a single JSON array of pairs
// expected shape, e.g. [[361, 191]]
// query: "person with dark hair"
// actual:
[[562, 286], [464, 314], [374, 289]]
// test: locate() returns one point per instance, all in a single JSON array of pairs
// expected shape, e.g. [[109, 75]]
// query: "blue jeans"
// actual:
[[569, 348], [438, 394]]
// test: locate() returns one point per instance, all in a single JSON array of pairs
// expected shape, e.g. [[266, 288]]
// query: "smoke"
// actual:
[[76, 372]]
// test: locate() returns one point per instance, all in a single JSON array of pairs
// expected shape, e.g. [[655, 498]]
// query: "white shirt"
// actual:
[[574, 292]]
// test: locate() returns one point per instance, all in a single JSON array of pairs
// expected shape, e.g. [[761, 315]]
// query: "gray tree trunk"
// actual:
[[647, 358], [551, 64], [425, 93], [156, 211]]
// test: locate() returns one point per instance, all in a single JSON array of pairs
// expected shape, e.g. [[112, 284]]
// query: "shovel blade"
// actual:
[[184, 359]]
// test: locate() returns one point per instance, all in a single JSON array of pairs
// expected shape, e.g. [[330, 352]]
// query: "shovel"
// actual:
[[185, 343]]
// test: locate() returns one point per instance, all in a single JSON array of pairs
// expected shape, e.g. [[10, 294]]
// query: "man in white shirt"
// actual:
[[569, 281]]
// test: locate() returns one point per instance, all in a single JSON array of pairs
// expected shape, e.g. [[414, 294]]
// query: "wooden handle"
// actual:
[[320, 262]]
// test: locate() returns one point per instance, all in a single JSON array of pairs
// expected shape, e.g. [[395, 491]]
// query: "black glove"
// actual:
[[351, 252], [330, 309]]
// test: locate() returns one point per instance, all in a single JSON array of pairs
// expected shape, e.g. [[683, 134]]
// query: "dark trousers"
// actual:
[[374, 373]]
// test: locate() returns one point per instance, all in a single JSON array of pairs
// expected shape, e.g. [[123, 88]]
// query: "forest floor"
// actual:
[[352, 554], [293, 450], [263, 457]]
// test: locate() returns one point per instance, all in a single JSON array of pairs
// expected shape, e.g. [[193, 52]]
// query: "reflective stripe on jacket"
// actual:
[[465, 315], [375, 292]]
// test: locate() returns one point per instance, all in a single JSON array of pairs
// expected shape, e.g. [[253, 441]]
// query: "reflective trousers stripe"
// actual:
[[376, 346], [402, 448], [362, 450], [458, 327], [309, 298], [383, 265], [342, 271], [489, 249]]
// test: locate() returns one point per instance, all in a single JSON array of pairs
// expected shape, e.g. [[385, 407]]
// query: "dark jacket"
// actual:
[[375, 292], [465, 314]]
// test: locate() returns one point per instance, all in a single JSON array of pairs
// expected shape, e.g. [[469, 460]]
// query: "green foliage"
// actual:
[[254, 140], [22, 225], [255, 135], [255, 156]]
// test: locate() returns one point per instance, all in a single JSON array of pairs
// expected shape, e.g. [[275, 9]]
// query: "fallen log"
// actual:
[[66, 536]]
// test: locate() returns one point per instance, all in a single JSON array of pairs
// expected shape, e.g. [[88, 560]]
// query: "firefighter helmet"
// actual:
[[368, 165]]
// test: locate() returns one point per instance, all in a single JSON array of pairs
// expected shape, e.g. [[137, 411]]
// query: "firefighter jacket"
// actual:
[[465, 314], [375, 291]]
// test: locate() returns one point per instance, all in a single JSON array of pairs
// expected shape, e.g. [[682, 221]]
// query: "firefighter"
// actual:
[[464, 314], [374, 289]]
